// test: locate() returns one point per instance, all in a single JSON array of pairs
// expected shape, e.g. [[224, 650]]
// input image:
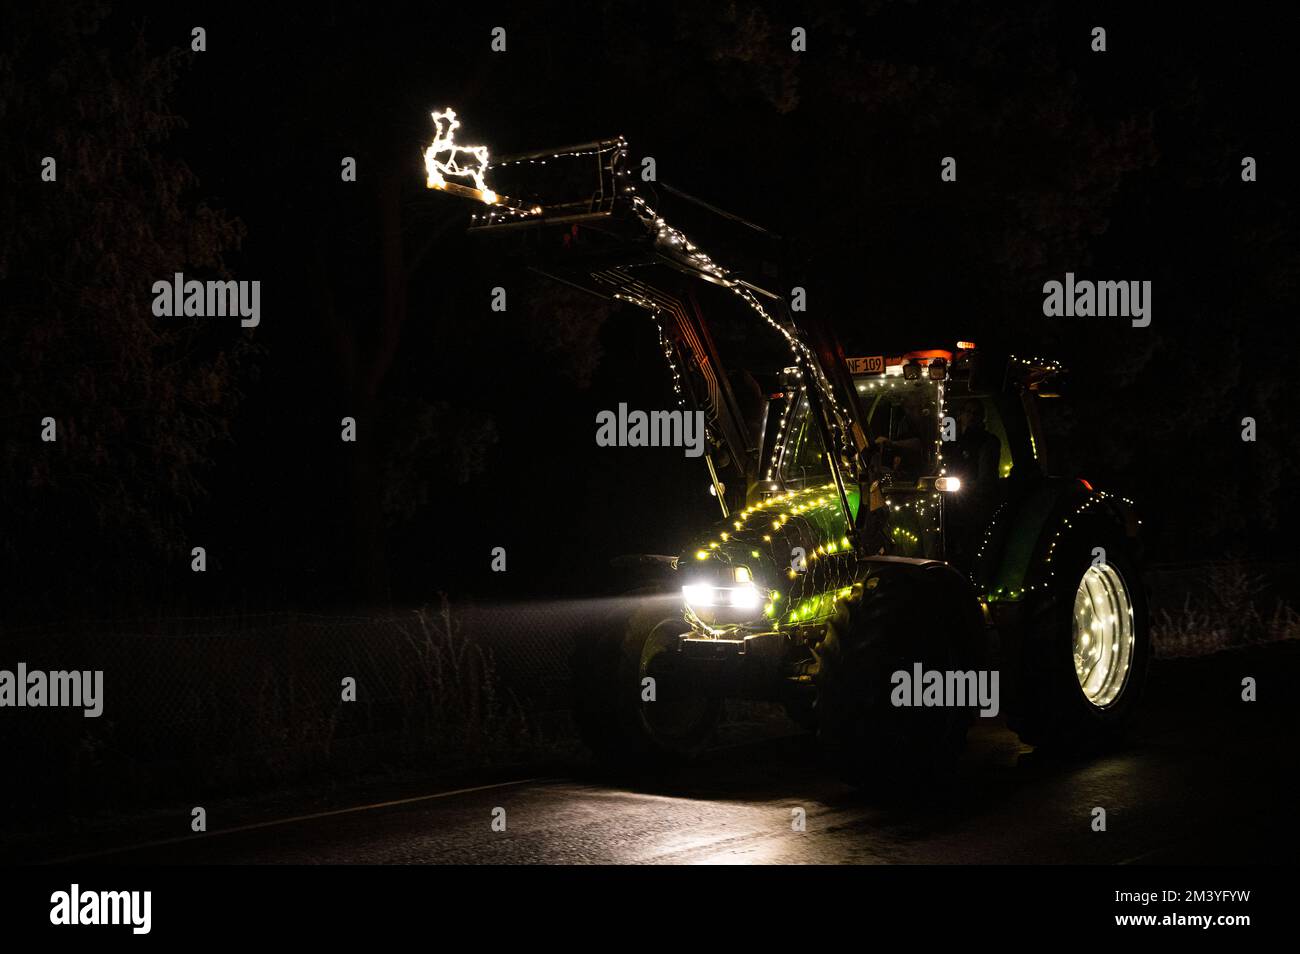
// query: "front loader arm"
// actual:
[[574, 214]]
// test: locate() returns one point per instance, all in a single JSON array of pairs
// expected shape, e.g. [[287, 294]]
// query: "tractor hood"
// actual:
[[790, 546]]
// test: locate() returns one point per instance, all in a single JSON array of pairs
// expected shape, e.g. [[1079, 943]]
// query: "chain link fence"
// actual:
[[227, 703]]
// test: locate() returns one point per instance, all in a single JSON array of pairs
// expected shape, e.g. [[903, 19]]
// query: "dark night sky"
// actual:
[[1122, 165]]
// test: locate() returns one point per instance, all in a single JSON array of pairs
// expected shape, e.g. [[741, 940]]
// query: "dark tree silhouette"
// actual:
[[139, 402]]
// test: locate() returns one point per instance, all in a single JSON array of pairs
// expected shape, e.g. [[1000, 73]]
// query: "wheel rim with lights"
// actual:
[[1103, 634]]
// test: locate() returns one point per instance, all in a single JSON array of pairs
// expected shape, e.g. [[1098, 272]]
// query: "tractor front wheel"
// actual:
[[629, 708], [899, 617]]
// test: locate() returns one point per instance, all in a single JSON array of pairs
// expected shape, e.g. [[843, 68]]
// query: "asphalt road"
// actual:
[[1206, 778]]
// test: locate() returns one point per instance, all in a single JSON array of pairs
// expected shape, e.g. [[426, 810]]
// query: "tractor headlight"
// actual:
[[735, 600], [705, 595]]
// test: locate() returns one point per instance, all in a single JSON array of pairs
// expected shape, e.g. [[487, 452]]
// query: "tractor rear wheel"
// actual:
[[1085, 645]]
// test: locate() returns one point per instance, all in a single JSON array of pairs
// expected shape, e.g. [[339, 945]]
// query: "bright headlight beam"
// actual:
[[743, 597], [698, 594]]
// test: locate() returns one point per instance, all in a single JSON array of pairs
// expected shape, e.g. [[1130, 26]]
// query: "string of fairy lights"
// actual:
[[615, 149], [793, 400], [670, 357], [598, 150], [764, 531], [672, 238], [1046, 364], [1003, 593]]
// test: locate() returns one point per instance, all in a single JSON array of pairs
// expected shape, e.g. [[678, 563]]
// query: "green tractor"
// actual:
[[891, 558]]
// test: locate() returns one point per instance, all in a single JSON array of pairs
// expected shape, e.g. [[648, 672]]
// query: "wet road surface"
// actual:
[[1206, 778]]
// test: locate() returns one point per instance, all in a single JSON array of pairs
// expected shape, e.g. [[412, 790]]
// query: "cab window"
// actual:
[[905, 414], [803, 460]]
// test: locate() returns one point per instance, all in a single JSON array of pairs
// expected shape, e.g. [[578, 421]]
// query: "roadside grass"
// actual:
[[452, 699], [1230, 611], [199, 709]]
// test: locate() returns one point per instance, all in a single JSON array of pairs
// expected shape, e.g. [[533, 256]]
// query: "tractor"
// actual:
[[891, 557]]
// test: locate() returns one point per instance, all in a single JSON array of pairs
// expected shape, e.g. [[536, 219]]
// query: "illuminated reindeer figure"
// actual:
[[445, 123]]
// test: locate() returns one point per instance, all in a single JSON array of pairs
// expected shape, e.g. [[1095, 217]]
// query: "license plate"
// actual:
[[875, 364]]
